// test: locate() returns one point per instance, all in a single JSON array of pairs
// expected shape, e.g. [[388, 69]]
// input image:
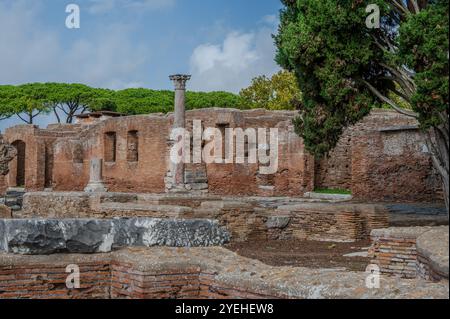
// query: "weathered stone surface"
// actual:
[[278, 222], [164, 232], [336, 197], [49, 236], [56, 205], [225, 204], [194, 273], [5, 211], [400, 232], [433, 245], [95, 184], [39, 236], [119, 197], [245, 217]]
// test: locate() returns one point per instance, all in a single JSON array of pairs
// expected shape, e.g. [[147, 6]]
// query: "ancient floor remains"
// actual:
[[215, 272]]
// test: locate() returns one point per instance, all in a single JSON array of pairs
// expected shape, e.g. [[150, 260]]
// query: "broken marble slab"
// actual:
[[169, 232], [50, 236]]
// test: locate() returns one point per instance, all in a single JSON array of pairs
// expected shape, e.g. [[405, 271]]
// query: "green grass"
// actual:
[[333, 191]]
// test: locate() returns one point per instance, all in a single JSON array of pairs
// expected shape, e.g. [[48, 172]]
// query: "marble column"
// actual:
[[95, 178], [179, 81]]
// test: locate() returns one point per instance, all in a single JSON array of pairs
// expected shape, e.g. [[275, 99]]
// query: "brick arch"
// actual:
[[20, 172]]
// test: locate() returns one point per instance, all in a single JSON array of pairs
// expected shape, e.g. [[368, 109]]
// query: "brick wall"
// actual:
[[330, 222], [195, 273], [47, 280], [245, 218], [186, 283], [380, 158], [103, 278], [395, 255], [335, 169], [390, 160], [397, 252], [122, 141]]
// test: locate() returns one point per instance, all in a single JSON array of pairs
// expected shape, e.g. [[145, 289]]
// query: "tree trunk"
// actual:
[[438, 143]]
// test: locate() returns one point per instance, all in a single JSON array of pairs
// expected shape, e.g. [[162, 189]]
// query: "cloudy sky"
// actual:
[[138, 43]]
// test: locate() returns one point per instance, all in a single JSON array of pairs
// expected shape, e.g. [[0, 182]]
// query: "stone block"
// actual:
[[334, 197], [278, 222], [169, 232], [50, 236]]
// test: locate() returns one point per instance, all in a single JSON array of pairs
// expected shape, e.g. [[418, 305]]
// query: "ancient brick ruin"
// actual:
[[103, 194], [382, 158]]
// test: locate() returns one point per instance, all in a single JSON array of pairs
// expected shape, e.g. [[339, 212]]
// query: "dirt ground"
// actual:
[[310, 254]]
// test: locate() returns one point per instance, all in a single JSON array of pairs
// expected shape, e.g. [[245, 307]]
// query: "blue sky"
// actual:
[[137, 43]]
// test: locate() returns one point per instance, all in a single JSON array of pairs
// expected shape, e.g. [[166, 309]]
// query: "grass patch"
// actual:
[[333, 191]]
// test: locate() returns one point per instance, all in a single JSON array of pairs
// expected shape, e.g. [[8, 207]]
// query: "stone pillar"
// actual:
[[179, 81], [95, 178]]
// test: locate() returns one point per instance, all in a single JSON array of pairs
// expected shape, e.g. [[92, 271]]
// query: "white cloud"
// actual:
[[33, 53], [236, 53], [231, 65], [102, 6]]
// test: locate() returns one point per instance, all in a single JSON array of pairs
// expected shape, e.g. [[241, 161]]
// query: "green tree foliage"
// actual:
[[201, 100], [280, 92], [67, 100], [26, 101], [424, 47], [144, 101], [344, 68], [324, 43], [6, 95]]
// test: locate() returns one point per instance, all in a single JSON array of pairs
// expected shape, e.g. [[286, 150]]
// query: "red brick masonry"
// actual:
[[246, 218], [383, 157], [191, 273], [411, 252]]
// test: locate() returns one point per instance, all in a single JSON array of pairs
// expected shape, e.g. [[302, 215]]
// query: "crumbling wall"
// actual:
[[121, 171], [196, 273], [245, 218], [390, 160], [383, 157], [39, 146], [411, 252], [334, 170], [44, 277], [295, 171], [25, 135]]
